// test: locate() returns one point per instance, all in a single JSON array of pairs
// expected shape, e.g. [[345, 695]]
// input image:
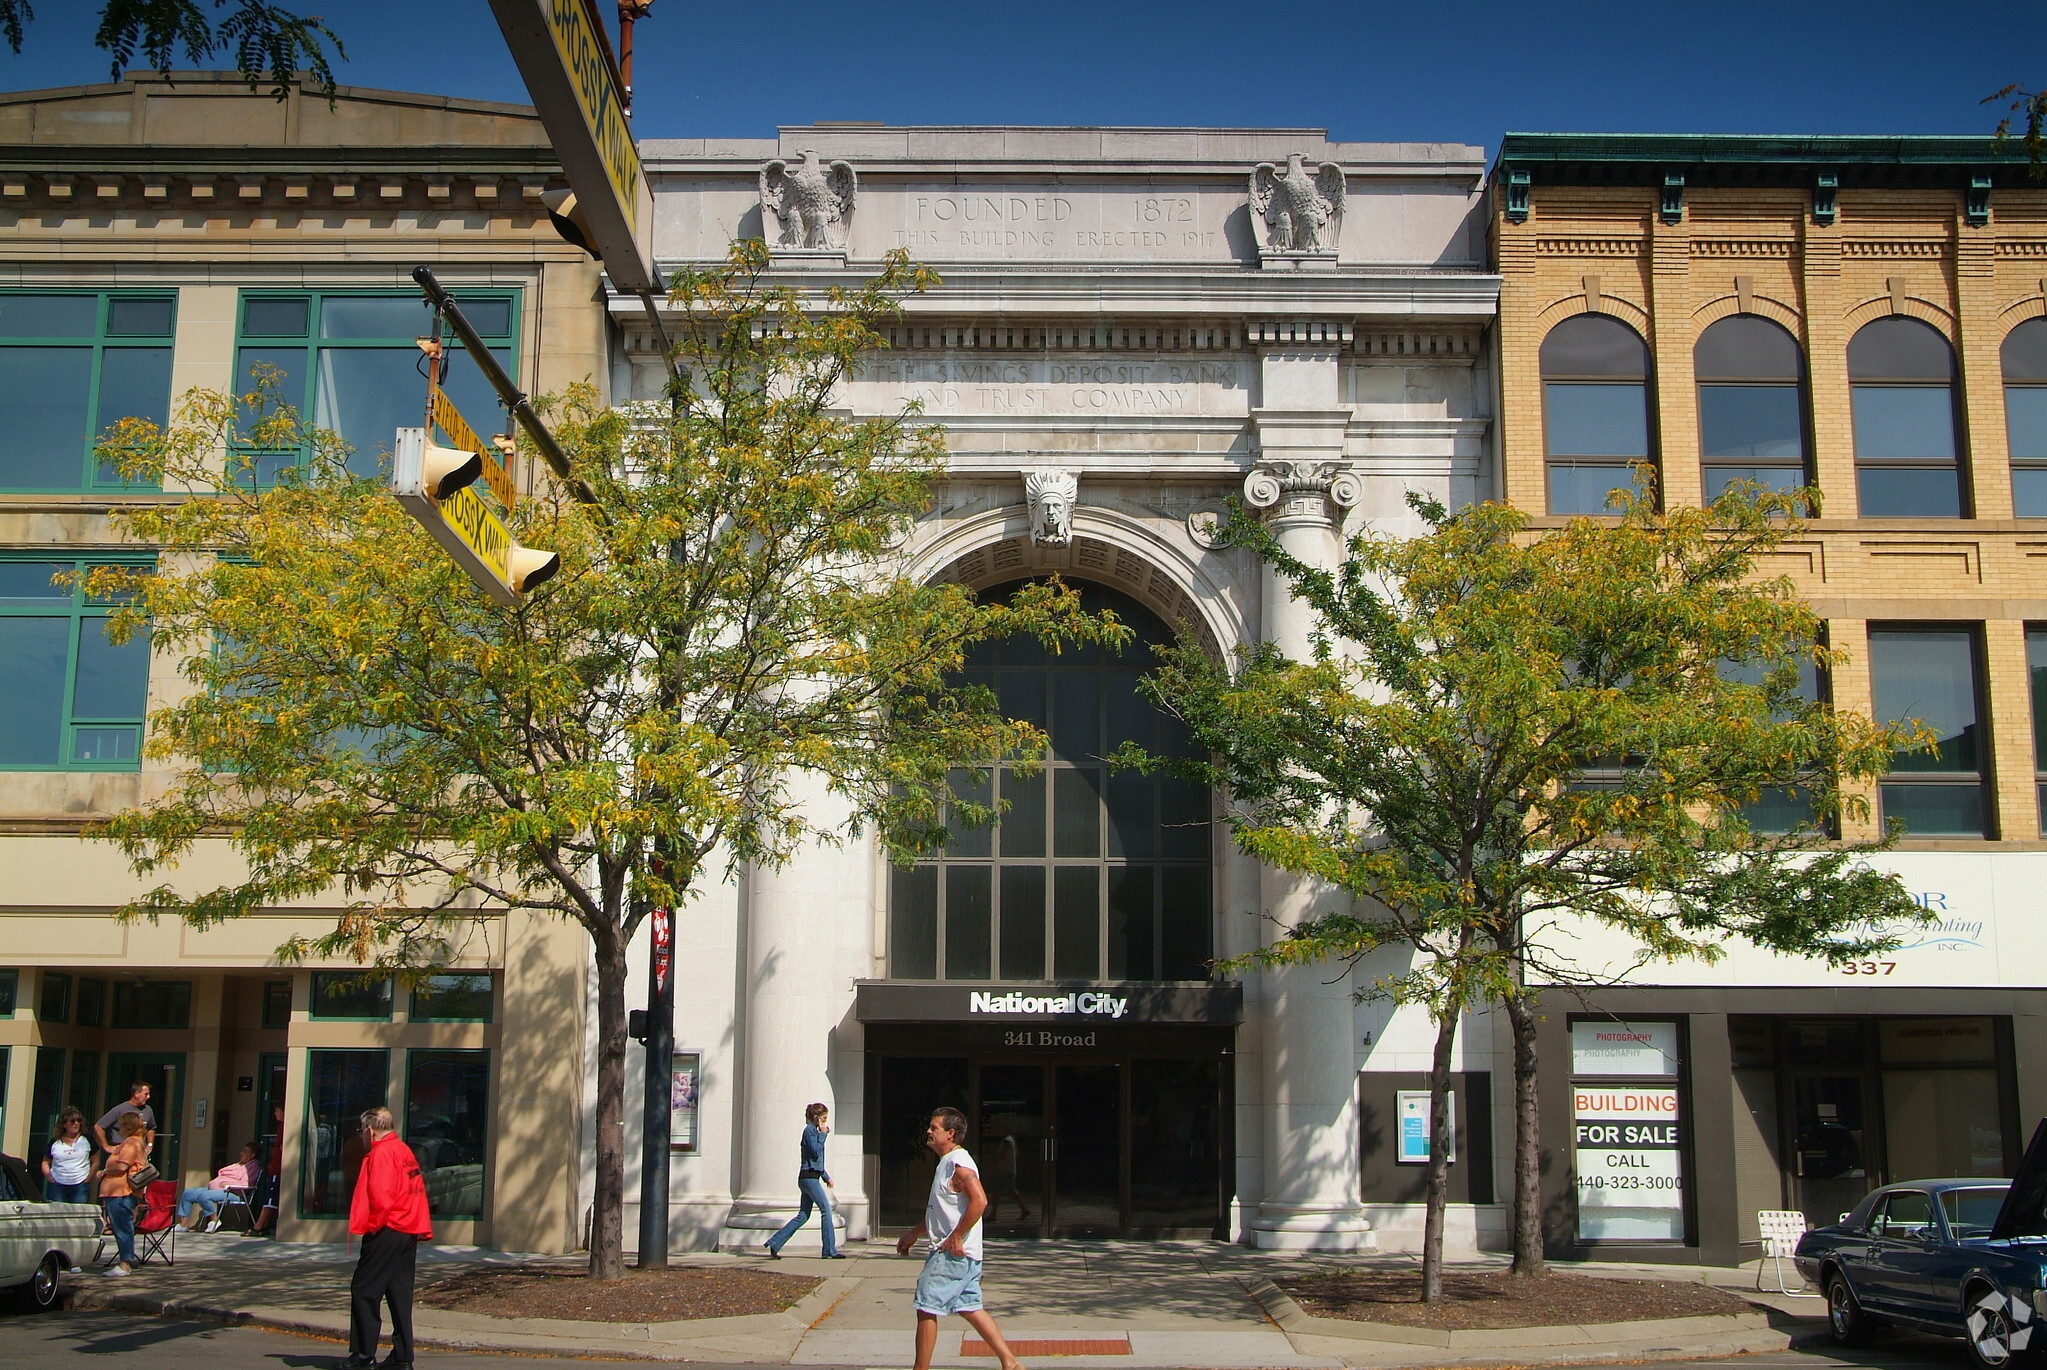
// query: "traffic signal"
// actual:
[[447, 469], [567, 219], [527, 567]]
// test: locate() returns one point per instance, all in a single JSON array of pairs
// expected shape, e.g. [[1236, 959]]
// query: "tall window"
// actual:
[[1595, 403], [72, 364], [2036, 667], [1901, 376], [1751, 405], [350, 365], [447, 1122], [1779, 809], [340, 1085], [1088, 876], [2025, 416], [1930, 675], [74, 699]]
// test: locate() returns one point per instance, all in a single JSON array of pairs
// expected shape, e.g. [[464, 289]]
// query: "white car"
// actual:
[[39, 1241]]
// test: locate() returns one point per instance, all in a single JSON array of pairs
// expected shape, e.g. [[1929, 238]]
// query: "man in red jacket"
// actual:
[[389, 1214]]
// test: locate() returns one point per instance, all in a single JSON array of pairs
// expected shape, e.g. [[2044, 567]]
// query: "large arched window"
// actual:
[[1751, 405], [1089, 875], [2025, 416], [1595, 403], [1901, 375]]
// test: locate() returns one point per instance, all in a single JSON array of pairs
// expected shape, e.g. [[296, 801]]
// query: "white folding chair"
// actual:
[[1780, 1229]]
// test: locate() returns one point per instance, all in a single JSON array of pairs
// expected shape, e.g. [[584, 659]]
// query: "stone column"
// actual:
[[1310, 1196], [794, 994]]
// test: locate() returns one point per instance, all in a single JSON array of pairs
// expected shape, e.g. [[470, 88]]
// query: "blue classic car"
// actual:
[[1962, 1258]]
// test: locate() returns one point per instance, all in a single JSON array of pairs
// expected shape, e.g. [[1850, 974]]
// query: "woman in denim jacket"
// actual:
[[813, 1183]]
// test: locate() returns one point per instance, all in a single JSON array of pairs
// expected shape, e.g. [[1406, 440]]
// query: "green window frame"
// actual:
[[340, 996], [10, 989], [76, 701], [154, 1005], [54, 1002], [447, 1125], [457, 997], [351, 364], [340, 1084], [72, 364]]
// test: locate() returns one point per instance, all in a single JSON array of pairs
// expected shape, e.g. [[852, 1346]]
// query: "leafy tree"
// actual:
[[2028, 107], [269, 42], [1502, 736], [364, 721]]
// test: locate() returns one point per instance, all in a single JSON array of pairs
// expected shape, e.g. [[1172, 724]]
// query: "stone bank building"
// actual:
[[1134, 325]]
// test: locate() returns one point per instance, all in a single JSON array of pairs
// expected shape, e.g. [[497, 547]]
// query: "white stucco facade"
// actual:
[[1115, 309]]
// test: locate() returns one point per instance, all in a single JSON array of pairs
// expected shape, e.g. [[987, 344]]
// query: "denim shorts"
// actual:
[[948, 1284]]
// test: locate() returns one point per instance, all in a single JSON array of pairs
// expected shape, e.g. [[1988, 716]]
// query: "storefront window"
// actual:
[[92, 1001], [1626, 1106], [153, 1004], [346, 994], [451, 999], [55, 1004], [1941, 1112], [340, 1085], [447, 1122]]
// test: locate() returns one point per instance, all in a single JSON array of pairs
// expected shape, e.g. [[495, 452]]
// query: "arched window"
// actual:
[[1901, 375], [1089, 875], [1595, 402], [2025, 416], [1751, 405]]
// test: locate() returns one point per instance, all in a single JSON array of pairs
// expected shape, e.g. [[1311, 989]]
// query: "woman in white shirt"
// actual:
[[68, 1168]]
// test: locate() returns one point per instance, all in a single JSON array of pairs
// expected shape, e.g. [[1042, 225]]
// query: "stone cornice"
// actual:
[[1241, 294], [87, 185]]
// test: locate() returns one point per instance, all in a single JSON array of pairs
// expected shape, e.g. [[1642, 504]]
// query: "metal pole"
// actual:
[[660, 1080], [513, 398]]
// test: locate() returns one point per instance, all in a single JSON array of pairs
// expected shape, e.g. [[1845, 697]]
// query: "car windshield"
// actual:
[[1971, 1212]]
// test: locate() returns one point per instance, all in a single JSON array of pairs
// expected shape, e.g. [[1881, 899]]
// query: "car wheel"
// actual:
[[1845, 1319], [40, 1293], [1997, 1336]]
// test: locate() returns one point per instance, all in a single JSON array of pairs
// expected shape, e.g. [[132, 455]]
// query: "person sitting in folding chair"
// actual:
[[202, 1203]]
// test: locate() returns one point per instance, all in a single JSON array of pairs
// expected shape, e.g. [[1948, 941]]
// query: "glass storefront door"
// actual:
[[165, 1073], [1013, 1130], [1830, 1141], [1051, 1148]]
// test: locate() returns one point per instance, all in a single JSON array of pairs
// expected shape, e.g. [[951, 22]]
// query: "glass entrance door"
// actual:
[[1087, 1151], [165, 1072], [1013, 1132], [1050, 1143], [1831, 1145]]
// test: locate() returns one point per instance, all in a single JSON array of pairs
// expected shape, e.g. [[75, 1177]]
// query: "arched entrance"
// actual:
[[1067, 949]]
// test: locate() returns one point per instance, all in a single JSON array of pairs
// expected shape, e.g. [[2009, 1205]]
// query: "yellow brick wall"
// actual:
[[1889, 251]]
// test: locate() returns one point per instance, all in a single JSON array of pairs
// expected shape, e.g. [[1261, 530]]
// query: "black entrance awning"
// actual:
[[1091, 1003]]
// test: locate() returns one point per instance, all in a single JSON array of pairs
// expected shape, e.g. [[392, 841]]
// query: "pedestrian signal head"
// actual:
[[448, 469], [567, 219], [529, 566]]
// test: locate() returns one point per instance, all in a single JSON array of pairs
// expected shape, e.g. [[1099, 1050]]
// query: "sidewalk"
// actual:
[[1139, 1306]]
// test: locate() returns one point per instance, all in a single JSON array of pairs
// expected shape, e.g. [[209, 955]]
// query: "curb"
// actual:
[[1686, 1332], [444, 1330]]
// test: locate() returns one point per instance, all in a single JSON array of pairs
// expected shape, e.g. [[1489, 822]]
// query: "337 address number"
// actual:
[[1868, 967]]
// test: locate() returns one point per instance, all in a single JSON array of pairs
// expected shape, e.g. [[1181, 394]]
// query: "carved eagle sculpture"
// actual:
[[1301, 209], [811, 197]]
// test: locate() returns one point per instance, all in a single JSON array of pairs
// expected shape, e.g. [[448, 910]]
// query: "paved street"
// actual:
[[175, 1344]]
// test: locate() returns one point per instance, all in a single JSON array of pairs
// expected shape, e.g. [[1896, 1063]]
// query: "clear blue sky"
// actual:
[[1408, 72]]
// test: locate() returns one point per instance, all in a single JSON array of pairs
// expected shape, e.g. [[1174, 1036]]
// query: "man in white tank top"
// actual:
[[951, 1278]]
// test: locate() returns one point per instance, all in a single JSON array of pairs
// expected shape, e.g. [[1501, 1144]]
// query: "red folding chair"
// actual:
[[156, 1224]]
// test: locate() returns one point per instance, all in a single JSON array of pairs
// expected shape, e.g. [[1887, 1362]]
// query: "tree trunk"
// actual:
[[607, 1211], [1440, 1136], [1528, 1258]]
